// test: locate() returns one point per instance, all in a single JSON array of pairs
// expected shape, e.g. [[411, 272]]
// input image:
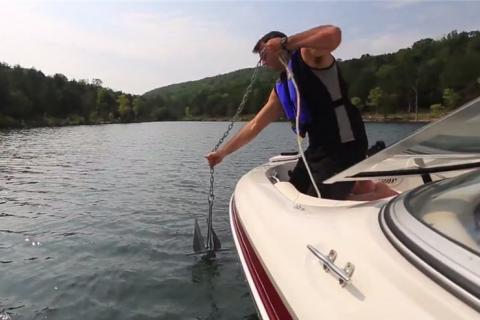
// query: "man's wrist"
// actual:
[[222, 153]]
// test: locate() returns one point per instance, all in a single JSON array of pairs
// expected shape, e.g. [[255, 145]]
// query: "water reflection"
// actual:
[[204, 273]]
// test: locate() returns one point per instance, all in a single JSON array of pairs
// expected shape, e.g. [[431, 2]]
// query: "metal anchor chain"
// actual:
[[213, 243], [240, 107]]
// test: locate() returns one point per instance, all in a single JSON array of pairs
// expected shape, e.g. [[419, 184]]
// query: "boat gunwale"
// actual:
[[268, 301]]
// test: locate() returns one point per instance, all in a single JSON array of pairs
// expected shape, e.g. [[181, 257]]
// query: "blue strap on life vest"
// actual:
[[288, 99]]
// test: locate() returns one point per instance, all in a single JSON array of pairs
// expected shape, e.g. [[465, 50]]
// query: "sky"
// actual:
[[137, 46]]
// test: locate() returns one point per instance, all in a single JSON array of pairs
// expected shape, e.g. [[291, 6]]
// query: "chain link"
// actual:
[[240, 107], [211, 196]]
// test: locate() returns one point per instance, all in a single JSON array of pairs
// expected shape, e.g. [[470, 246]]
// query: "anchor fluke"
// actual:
[[216, 242], [198, 242]]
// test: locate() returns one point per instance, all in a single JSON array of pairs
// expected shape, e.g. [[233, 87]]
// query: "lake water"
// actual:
[[96, 221]]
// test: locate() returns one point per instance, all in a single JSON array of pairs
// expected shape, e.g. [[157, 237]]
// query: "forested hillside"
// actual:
[[215, 97], [432, 76], [29, 98]]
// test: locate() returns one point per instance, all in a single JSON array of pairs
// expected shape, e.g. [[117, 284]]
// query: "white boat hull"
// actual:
[[272, 225]]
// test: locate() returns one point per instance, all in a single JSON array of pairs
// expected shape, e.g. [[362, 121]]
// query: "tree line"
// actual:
[[29, 98], [432, 76]]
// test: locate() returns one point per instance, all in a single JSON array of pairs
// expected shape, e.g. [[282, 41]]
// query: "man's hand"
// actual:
[[214, 158], [271, 51]]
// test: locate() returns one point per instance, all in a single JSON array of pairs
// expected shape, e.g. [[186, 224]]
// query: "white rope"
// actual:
[[284, 62]]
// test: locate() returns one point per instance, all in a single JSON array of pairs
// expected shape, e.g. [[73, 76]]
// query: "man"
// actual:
[[336, 132]]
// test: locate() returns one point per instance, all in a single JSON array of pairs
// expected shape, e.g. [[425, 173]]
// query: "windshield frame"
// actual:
[[450, 265]]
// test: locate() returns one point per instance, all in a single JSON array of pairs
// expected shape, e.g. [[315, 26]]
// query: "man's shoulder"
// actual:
[[316, 61]]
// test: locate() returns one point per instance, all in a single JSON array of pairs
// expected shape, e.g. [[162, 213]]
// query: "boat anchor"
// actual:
[[209, 247], [213, 243]]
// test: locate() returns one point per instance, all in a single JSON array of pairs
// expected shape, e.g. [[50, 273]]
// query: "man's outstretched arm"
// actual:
[[270, 112]]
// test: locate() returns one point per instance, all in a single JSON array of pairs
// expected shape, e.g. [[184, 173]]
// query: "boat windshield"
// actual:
[[437, 227], [451, 143], [450, 207]]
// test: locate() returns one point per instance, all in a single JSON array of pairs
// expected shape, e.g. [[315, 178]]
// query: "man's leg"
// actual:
[[380, 190]]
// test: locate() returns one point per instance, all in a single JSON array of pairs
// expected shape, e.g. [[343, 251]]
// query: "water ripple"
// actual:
[[96, 221]]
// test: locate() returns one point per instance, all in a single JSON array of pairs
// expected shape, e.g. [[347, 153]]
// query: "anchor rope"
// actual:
[[283, 60]]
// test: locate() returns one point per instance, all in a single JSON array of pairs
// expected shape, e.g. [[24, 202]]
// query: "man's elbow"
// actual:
[[335, 35]]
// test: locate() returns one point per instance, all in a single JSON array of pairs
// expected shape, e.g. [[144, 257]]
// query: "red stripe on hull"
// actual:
[[271, 300]]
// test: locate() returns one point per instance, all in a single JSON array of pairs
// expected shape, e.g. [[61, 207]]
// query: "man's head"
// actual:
[[265, 38], [271, 61]]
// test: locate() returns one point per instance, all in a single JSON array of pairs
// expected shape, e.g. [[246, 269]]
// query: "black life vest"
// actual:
[[329, 123]]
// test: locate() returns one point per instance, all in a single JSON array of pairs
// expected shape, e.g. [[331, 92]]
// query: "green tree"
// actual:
[[388, 78], [4, 92], [357, 102], [375, 98], [450, 98], [428, 88], [384, 103], [388, 104], [104, 103], [437, 109], [361, 83], [124, 107], [188, 114], [138, 107], [461, 71], [97, 82], [20, 105]]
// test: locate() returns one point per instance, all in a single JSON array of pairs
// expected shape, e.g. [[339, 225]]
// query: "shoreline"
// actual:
[[397, 120], [367, 118], [393, 118]]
